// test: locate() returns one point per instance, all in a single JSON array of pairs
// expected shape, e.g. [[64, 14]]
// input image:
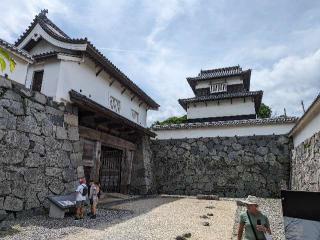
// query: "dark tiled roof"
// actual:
[[221, 73], [91, 51], [220, 96], [83, 101], [299, 124], [52, 29], [120, 76], [248, 122], [10, 47]]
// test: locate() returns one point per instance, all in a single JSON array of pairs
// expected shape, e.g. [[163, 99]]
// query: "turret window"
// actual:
[[135, 115], [219, 87], [115, 104]]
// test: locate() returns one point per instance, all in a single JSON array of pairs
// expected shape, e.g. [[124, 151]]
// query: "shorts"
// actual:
[[93, 202], [80, 204]]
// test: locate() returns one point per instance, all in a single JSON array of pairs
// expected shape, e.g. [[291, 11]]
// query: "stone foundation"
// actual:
[[40, 151], [305, 174], [227, 166], [142, 178]]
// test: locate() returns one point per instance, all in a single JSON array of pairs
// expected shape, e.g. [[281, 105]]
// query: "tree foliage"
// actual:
[[4, 59], [264, 111], [172, 120]]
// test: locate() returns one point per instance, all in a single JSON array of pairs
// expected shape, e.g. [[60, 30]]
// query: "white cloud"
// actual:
[[289, 81], [17, 15]]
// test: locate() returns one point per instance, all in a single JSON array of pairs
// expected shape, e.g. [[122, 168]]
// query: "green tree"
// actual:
[[264, 111], [4, 59], [172, 120]]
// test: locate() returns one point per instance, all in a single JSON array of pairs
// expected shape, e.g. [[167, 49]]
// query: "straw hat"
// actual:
[[251, 200]]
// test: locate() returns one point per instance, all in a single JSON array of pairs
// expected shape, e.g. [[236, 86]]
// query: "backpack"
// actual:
[[84, 190]]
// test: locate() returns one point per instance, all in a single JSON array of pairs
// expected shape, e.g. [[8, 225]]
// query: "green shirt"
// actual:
[[249, 235]]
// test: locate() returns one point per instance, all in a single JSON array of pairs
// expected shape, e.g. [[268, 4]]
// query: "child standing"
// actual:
[[93, 196]]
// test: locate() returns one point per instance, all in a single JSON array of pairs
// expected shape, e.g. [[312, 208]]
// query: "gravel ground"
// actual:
[[273, 209], [44, 228], [167, 218], [153, 218]]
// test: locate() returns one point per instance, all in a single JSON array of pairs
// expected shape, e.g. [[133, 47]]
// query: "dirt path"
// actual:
[[163, 218]]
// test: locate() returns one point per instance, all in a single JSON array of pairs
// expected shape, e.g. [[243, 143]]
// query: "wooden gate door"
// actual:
[[110, 171]]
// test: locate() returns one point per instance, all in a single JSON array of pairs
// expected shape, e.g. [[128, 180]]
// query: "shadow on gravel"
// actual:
[[107, 215]]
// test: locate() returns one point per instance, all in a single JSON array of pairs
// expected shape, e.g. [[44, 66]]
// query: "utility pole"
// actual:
[[302, 104]]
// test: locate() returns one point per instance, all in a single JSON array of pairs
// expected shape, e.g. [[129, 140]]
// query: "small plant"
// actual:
[[4, 59]]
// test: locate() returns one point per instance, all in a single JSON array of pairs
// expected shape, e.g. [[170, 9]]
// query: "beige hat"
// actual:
[[251, 200]]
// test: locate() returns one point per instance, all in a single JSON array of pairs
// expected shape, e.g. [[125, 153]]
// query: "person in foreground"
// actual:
[[255, 224], [81, 196]]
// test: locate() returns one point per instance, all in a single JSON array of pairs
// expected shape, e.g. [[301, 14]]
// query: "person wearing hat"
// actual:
[[255, 223]]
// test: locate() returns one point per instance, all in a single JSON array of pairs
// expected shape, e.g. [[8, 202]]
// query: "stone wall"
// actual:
[[228, 166], [305, 175], [40, 151], [142, 177]]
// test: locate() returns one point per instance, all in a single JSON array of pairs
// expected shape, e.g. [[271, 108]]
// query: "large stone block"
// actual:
[[56, 186], [28, 124], [52, 144], [76, 159], [67, 146], [54, 111], [2, 133], [40, 98], [53, 172], [47, 127], [61, 133], [5, 188], [57, 158], [73, 133], [13, 204], [11, 155], [31, 106], [31, 175], [15, 108], [35, 160], [71, 119], [80, 172], [17, 139], [4, 83], [69, 175], [19, 188], [11, 95], [38, 148]]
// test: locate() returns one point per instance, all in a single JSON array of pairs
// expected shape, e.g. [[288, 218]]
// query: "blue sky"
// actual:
[[160, 43]]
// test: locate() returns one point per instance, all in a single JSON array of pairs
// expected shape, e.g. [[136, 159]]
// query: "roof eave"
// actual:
[[82, 100], [302, 120], [233, 123], [183, 104], [113, 70]]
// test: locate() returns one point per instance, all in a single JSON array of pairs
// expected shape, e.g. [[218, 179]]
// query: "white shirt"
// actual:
[[79, 196]]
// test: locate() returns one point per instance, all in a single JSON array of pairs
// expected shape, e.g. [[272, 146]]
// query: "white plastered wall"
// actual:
[[226, 131], [311, 125], [229, 81], [20, 72], [51, 75], [82, 76], [224, 108]]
